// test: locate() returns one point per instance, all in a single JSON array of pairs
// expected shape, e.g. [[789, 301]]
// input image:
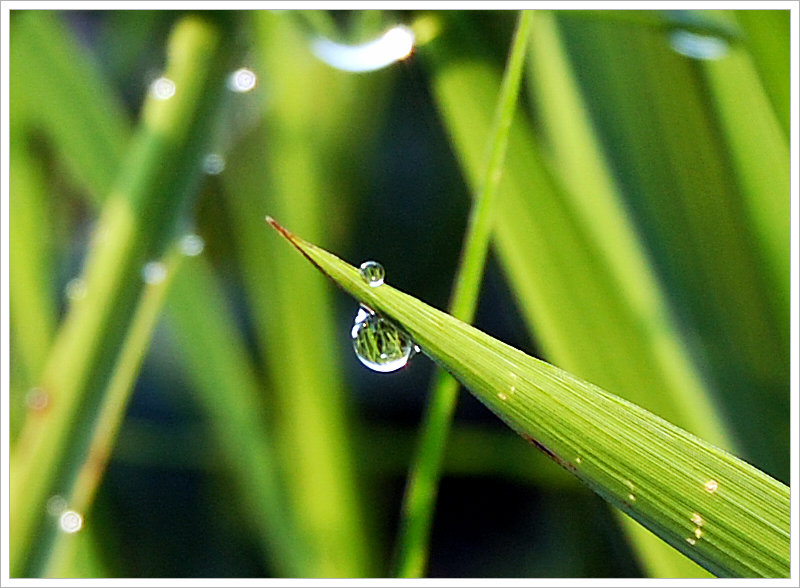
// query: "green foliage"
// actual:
[[639, 240], [738, 517]]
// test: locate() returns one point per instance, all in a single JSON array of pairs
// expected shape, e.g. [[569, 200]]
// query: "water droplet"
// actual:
[[697, 46], [154, 272], [711, 486], [378, 343], [697, 519], [213, 164], [70, 521], [75, 289], [100, 235], [162, 88], [192, 245], [502, 396], [372, 272], [56, 505], [698, 532], [394, 45], [690, 540], [37, 399], [578, 460], [242, 80]]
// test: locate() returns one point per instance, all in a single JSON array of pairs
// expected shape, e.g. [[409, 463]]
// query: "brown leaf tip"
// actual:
[[278, 227]]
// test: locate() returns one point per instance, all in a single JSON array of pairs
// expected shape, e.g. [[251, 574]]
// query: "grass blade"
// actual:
[[720, 511], [216, 361], [159, 177], [64, 95], [420, 494], [111, 412]]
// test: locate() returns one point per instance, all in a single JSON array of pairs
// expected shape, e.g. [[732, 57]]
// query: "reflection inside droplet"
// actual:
[[394, 45], [154, 272], [372, 272], [379, 344], [192, 245], [70, 521], [162, 89], [213, 164], [242, 80], [697, 46]]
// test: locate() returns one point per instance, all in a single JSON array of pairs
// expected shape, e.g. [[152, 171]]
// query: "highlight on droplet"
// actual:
[[162, 88], [75, 289], [242, 80], [70, 521], [154, 272], [37, 399], [56, 505], [394, 45], [192, 245], [698, 46], [213, 164]]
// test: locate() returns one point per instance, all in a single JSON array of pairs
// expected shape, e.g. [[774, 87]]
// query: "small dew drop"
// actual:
[[37, 399], [76, 289], [372, 273], [242, 80], [697, 519], [162, 89], [502, 396], [70, 521], [690, 540], [578, 460], [631, 498], [56, 505], [192, 245], [711, 486], [154, 272], [378, 343], [213, 164], [698, 532], [698, 46], [100, 235]]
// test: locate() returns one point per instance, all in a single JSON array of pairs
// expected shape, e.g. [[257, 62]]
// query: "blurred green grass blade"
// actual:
[[31, 288], [217, 363], [289, 172], [683, 189], [65, 552], [420, 495], [63, 95], [767, 36], [725, 514], [136, 224], [578, 272], [746, 121], [598, 212]]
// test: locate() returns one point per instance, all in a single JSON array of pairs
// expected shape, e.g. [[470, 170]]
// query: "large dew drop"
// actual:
[[379, 344], [372, 272]]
